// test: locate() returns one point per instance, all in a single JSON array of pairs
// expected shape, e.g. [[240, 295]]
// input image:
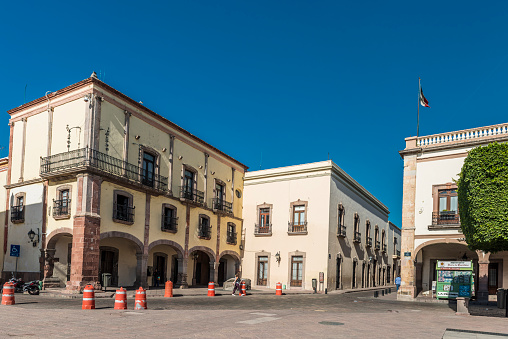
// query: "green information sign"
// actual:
[[454, 279]]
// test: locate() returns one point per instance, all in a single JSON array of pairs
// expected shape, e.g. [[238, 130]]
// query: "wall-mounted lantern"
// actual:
[[32, 236]]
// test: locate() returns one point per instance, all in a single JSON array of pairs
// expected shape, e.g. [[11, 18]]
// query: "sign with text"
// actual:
[[15, 249], [454, 279], [454, 265]]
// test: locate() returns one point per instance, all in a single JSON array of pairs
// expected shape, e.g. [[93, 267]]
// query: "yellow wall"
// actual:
[[112, 117], [72, 114], [156, 220], [53, 224], [127, 260], [36, 144]]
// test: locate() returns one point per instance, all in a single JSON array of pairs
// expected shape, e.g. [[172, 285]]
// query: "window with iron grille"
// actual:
[[61, 206], [123, 211], [204, 228], [18, 208], [231, 235], [169, 218], [341, 228]]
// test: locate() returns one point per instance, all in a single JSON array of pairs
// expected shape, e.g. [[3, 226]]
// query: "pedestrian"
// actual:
[[156, 278], [397, 282], [236, 283]]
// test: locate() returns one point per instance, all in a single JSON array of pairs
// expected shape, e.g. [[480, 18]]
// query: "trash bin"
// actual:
[[106, 280], [501, 297]]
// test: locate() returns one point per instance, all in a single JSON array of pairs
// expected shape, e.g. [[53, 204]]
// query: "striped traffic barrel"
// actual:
[[140, 301], [243, 289], [168, 293], [211, 289], [88, 298], [8, 294], [121, 299], [278, 289]]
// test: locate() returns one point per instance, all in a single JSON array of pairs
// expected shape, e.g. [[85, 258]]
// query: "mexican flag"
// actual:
[[423, 101]]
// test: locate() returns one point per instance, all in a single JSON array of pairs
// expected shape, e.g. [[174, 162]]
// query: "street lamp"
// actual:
[[277, 257], [31, 236]]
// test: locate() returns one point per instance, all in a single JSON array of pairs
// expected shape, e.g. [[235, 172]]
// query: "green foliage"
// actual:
[[483, 198]]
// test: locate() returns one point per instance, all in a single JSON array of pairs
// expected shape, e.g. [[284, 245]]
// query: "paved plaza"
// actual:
[[352, 315]]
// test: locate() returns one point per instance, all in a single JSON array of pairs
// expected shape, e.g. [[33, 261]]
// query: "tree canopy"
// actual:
[[483, 198]]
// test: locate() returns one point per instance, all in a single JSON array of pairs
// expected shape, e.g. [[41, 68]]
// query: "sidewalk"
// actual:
[[197, 291]]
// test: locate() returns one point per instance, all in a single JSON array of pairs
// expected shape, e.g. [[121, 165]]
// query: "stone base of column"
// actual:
[[406, 293]]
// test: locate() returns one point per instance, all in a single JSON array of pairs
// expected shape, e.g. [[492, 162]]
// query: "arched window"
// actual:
[[341, 228], [358, 235], [368, 238]]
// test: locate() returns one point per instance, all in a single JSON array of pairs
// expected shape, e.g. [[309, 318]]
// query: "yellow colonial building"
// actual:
[[108, 186]]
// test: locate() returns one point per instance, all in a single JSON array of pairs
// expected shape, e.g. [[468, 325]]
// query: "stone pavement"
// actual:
[[356, 315]]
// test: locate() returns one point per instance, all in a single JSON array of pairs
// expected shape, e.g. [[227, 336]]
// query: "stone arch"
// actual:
[[175, 245], [52, 238], [207, 250], [231, 253], [435, 242], [117, 234]]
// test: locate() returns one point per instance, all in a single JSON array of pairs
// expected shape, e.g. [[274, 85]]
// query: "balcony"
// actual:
[[384, 248], [90, 160], [265, 229], [220, 205], [61, 208], [192, 195], [231, 238], [445, 218], [297, 227], [17, 214], [169, 224], [123, 214], [378, 245], [357, 237], [341, 232], [369, 242], [204, 231]]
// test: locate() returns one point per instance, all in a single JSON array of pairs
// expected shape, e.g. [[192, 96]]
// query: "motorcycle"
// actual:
[[32, 287]]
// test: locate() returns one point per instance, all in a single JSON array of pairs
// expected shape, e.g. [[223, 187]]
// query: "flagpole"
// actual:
[[418, 117]]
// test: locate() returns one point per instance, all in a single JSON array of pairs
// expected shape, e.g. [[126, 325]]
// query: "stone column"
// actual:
[[143, 263], [182, 272], [214, 274], [483, 277], [407, 289], [86, 234]]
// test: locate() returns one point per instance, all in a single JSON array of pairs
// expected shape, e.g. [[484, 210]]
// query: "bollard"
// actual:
[[278, 289], [382, 293], [8, 294], [389, 290], [243, 289], [88, 298], [120, 299], [506, 304], [169, 290], [462, 306], [140, 301], [376, 294], [211, 289]]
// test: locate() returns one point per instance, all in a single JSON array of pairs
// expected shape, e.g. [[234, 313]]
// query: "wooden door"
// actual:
[[262, 270], [493, 271], [296, 271]]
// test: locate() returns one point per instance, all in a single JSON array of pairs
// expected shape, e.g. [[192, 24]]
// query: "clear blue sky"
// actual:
[[275, 83]]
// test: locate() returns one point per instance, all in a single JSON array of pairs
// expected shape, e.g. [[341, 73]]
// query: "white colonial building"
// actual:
[[314, 221], [430, 218]]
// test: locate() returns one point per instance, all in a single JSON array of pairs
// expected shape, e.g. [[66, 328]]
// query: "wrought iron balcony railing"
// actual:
[[204, 231], [384, 248], [231, 238], [265, 229], [17, 213], [341, 231], [222, 205], [357, 237], [297, 227], [192, 195], [87, 159], [61, 207], [369, 242], [123, 213], [378, 245], [169, 224], [445, 218], [398, 253]]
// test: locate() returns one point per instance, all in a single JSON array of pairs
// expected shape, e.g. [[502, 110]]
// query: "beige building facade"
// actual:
[[109, 186], [430, 218], [313, 221]]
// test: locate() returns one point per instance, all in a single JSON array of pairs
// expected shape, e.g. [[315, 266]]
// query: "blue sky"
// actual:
[[275, 83]]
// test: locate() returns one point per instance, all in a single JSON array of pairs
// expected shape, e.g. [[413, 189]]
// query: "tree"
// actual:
[[483, 198]]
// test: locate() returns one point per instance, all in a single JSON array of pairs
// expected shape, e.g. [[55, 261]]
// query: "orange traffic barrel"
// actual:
[[211, 289], [88, 298], [140, 301], [243, 289], [121, 299], [169, 290], [278, 289], [8, 294]]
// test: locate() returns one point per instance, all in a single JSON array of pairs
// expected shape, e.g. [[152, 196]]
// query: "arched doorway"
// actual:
[[229, 264], [164, 261], [202, 260], [120, 255], [427, 255], [57, 259]]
